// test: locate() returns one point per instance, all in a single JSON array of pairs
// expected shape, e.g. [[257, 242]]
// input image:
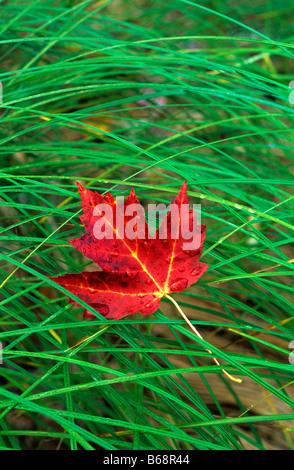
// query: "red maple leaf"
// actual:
[[136, 273]]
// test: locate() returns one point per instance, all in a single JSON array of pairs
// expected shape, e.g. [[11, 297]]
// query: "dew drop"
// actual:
[[131, 272], [148, 281], [189, 252], [181, 269], [179, 285], [195, 271], [115, 244], [142, 293], [115, 253], [149, 305]]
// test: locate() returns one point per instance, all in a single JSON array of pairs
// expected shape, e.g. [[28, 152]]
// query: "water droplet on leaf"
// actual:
[[195, 271], [179, 285], [142, 293], [131, 272]]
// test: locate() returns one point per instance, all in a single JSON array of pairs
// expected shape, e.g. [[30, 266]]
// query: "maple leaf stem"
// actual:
[[234, 379]]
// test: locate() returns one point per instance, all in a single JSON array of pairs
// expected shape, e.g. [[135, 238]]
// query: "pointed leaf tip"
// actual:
[[80, 186], [182, 196]]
